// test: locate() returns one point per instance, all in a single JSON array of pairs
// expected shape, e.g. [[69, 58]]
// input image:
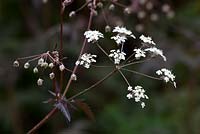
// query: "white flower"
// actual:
[[155, 51], [35, 70], [62, 67], [123, 31], [51, 75], [26, 65], [117, 55], [122, 34], [93, 36], [143, 104], [40, 82], [86, 60], [130, 88], [139, 53], [166, 75], [16, 63], [138, 94], [119, 39], [129, 96], [147, 39]]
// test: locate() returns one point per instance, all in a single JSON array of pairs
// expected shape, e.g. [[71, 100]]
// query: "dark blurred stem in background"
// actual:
[[61, 42], [14, 111]]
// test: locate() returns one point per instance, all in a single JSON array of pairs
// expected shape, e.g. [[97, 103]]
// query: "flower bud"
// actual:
[[74, 77], [111, 7], [107, 28], [16, 63], [40, 82], [26, 65], [51, 75], [40, 61], [51, 65], [72, 14], [127, 11], [35, 70], [62, 67]]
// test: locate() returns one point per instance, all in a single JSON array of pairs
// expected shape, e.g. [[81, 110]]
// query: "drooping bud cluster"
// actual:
[[44, 61]]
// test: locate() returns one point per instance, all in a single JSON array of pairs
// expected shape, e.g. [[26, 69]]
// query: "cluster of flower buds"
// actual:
[[44, 61]]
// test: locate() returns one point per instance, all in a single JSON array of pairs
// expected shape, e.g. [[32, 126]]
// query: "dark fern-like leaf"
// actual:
[[86, 109]]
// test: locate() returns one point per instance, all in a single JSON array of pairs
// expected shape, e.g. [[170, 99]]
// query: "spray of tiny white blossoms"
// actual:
[[122, 34], [138, 93], [147, 40], [155, 51], [86, 60], [166, 75], [93, 36], [117, 55], [139, 53]]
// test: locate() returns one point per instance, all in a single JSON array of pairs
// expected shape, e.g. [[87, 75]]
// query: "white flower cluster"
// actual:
[[139, 53], [155, 51], [86, 60], [117, 55], [166, 75], [137, 93], [93, 36], [147, 40], [122, 34]]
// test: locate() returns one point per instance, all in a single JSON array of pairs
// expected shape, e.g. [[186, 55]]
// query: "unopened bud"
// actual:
[[107, 28], [26, 65], [111, 7], [35, 70], [62, 67], [40, 61], [16, 63], [40, 82], [74, 77], [51, 75], [72, 14], [51, 65], [100, 5], [127, 11]]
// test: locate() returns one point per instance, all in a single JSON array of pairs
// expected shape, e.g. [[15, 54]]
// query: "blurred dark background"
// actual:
[[29, 27]]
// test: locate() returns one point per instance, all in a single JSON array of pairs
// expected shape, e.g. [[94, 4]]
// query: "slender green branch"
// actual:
[[81, 52], [94, 85], [101, 66], [135, 72], [136, 62], [52, 112], [104, 52], [124, 77]]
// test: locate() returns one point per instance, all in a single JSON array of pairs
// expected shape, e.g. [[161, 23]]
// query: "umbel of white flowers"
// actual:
[[138, 93], [86, 60], [166, 75]]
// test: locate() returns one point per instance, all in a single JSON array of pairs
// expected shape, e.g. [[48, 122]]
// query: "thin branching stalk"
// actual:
[[81, 52], [135, 72], [61, 41], [94, 85], [51, 113], [123, 77], [104, 51]]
